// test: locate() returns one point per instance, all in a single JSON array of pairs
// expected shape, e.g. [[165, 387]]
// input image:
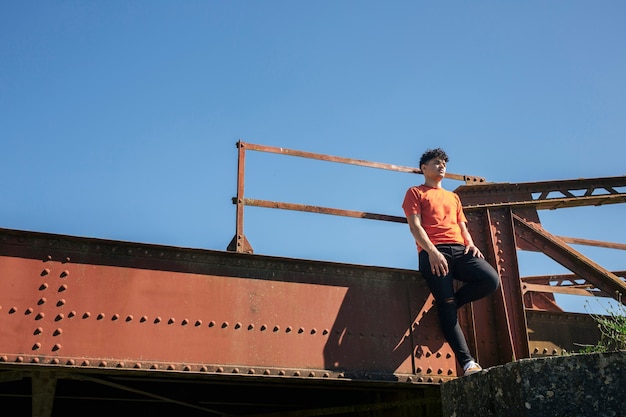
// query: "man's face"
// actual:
[[435, 167]]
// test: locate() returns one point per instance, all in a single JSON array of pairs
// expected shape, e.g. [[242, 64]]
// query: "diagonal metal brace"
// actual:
[[565, 255]]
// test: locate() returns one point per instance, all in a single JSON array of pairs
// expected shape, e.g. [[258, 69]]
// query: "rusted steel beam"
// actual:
[[239, 242], [571, 290], [322, 210], [546, 194], [83, 302], [576, 262], [499, 320], [469, 179], [563, 279], [589, 242], [554, 333]]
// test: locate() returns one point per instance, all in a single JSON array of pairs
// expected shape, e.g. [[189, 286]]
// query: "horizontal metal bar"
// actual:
[[322, 210], [556, 289], [351, 161], [554, 203], [589, 242]]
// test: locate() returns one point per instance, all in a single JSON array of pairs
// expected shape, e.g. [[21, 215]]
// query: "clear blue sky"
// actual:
[[119, 119]]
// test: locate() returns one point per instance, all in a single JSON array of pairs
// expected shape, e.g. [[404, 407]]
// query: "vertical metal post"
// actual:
[[240, 243]]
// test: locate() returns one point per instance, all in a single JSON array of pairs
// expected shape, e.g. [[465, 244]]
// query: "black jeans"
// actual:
[[480, 279]]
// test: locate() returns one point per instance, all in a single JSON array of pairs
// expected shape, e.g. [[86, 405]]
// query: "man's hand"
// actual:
[[438, 263], [474, 250]]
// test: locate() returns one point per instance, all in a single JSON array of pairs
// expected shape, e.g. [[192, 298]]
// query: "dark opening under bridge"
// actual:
[[122, 327]]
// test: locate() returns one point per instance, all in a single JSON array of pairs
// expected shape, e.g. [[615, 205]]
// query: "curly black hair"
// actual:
[[432, 154]]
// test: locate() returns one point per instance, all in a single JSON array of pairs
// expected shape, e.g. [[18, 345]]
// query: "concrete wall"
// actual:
[[591, 385]]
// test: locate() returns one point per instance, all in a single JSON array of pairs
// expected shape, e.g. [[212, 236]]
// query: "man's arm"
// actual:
[[438, 262], [469, 242]]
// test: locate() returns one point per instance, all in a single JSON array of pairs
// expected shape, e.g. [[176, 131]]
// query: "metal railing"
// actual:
[[241, 244]]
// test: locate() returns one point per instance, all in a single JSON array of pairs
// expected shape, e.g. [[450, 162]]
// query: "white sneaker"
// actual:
[[471, 368]]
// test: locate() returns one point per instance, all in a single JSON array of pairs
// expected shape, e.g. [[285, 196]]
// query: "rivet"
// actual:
[[48, 258], [184, 322], [34, 360], [326, 375], [263, 327], [438, 354], [19, 359], [12, 310], [420, 379], [276, 328], [281, 373], [100, 316], [311, 374], [62, 288], [85, 363], [211, 324], [43, 286], [266, 372], [65, 273], [410, 379], [157, 320], [103, 364], [288, 329], [450, 371], [203, 368], [87, 315], [45, 272], [54, 361], [224, 325], [545, 350], [129, 318], [235, 370], [71, 362], [40, 316], [297, 373], [313, 331], [220, 369], [67, 259], [251, 371], [430, 379], [60, 303], [171, 367], [59, 317], [440, 371], [57, 332], [115, 317], [28, 311], [341, 375], [198, 323], [300, 330], [38, 330], [419, 369], [143, 319], [237, 325], [171, 321], [36, 346], [186, 368], [325, 332], [137, 365], [429, 370]]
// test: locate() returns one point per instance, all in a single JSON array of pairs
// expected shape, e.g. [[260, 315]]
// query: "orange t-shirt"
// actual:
[[441, 212]]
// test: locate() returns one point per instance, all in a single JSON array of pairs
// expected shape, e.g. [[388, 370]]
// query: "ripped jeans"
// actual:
[[480, 279]]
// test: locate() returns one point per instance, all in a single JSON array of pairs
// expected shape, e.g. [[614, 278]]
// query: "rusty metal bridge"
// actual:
[[124, 327]]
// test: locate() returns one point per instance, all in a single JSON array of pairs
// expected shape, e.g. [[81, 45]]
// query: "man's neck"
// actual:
[[433, 182]]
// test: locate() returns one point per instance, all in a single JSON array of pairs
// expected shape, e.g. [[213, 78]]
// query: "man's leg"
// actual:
[[443, 291], [479, 277]]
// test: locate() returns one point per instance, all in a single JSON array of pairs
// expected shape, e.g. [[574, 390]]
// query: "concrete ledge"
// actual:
[[560, 386]]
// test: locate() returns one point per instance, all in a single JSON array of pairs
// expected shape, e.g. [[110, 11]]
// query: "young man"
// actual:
[[447, 252]]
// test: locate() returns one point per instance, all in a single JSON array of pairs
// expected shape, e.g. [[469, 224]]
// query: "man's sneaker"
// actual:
[[471, 368]]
